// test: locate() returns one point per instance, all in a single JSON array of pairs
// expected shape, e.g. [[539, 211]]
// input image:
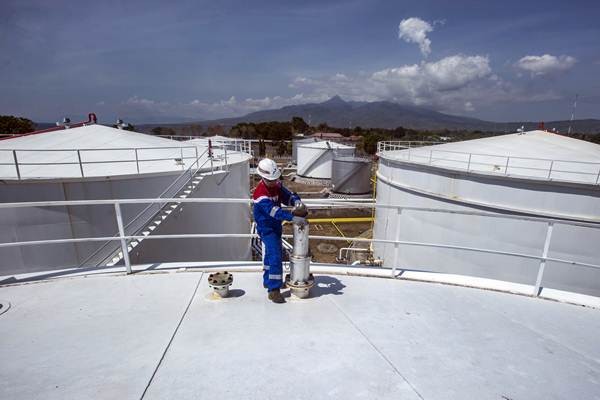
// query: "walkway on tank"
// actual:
[[160, 335]]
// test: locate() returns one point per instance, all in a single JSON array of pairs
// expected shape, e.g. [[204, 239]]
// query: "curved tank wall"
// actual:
[[351, 175], [410, 184], [298, 142], [315, 159], [41, 223]]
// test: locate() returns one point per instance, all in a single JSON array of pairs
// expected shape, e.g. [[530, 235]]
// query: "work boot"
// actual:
[[276, 297]]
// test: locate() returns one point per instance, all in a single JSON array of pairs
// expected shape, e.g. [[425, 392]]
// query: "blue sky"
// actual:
[[158, 61]]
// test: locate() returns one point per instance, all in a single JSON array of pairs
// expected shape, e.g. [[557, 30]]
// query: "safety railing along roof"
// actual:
[[123, 238], [527, 167], [39, 163]]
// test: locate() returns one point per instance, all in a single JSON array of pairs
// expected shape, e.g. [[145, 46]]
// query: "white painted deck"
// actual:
[[158, 336]]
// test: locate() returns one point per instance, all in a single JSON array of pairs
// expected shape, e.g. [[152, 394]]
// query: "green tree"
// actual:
[[298, 125], [15, 125], [161, 130]]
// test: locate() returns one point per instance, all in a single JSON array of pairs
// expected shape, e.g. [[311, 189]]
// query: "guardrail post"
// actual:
[[137, 161], [122, 237], [469, 163], [80, 164], [550, 171], [396, 245], [16, 164], [540, 275]]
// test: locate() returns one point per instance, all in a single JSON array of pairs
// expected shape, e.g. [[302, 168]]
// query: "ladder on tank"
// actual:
[[164, 213], [155, 214]]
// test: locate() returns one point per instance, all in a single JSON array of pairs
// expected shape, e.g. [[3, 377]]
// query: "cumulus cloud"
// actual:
[[415, 30], [545, 64], [454, 84]]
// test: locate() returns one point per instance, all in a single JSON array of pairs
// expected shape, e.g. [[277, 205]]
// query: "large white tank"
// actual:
[[512, 175], [97, 162], [351, 175], [315, 159]]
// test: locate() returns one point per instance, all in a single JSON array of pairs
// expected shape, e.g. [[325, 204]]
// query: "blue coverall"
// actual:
[[268, 216]]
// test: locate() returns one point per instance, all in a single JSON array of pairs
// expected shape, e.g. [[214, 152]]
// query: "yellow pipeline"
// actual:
[[340, 220]]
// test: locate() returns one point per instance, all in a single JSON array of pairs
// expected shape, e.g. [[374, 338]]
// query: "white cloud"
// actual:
[[415, 30], [545, 64], [454, 84], [428, 82]]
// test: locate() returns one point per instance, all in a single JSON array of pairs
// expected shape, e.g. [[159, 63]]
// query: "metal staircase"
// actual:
[[152, 216], [165, 212]]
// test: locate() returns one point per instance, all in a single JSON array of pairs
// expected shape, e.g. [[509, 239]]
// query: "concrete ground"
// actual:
[[161, 335]]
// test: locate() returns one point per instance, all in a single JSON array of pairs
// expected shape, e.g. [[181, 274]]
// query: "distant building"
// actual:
[[326, 135]]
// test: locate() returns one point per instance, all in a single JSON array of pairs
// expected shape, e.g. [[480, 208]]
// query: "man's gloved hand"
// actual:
[[299, 209], [299, 221]]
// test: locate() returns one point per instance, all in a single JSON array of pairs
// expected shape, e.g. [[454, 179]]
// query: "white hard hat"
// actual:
[[267, 169]]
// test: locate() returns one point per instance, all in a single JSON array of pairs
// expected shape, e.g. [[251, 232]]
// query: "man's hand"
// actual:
[[299, 209], [299, 221]]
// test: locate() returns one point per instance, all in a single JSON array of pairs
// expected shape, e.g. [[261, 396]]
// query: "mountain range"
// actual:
[[336, 112]]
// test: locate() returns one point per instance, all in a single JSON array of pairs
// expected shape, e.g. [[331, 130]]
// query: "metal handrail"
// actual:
[[236, 145], [502, 167], [123, 238], [77, 153]]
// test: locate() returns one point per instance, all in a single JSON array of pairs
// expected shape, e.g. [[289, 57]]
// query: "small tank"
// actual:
[[351, 175], [297, 142]]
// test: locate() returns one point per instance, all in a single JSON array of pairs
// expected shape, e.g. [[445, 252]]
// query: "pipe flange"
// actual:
[[300, 289], [220, 282]]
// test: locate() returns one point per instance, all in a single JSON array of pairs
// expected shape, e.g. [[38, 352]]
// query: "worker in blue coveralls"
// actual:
[[268, 215]]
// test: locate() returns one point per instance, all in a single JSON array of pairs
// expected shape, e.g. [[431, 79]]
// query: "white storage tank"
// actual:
[[297, 142], [95, 162], [351, 175], [315, 159], [533, 174]]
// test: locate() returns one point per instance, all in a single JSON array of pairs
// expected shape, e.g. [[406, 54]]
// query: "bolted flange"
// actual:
[[300, 289], [220, 282]]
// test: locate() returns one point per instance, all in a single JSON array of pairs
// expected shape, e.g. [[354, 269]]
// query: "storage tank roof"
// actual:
[[532, 144], [85, 137], [354, 336], [325, 145], [103, 151], [535, 154]]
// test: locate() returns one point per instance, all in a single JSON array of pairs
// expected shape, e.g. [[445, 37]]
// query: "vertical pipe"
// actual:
[[540, 275], [506, 167], [16, 164], [397, 238], [550, 171], [122, 236], [469, 163], [430, 155], [80, 165], [182, 161], [598, 177], [137, 161]]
